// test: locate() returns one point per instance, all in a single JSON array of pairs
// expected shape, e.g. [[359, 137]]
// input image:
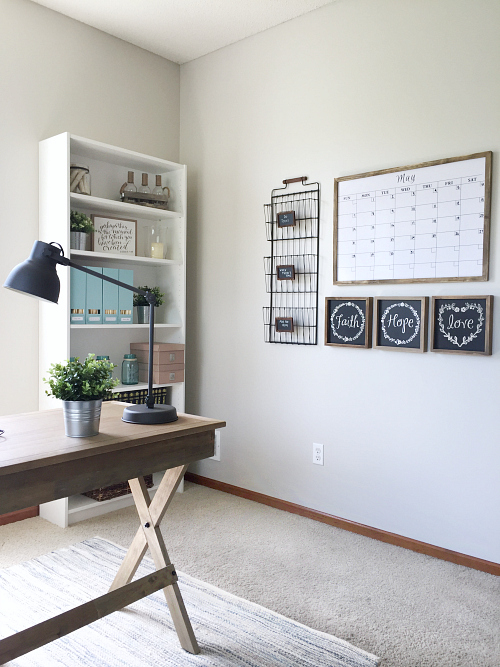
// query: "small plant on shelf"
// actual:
[[140, 300], [74, 380], [79, 222]]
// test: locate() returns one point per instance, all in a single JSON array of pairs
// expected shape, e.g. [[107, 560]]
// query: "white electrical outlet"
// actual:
[[317, 454], [216, 456]]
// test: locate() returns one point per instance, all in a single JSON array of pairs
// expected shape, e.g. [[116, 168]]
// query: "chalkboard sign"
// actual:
[[284, 324], [348, 321], [286, 218], [461, 324], [401, 323], [285, 272]]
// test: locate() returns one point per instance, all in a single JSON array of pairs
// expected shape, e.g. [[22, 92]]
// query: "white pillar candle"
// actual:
[[157, 250]]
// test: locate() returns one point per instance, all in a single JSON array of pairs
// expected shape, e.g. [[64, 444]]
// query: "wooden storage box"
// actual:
[[163, 353], [115, 490], [171, 373]]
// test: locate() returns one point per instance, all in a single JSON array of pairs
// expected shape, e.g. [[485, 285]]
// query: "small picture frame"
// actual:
[[348, 321], [285, 272], [400, 323], [462, 324], [286, 218], [117, 236], [283, 324]]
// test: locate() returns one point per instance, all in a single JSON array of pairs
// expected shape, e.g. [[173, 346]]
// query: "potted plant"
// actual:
[[80, 227], [143, 306], [81, 386]]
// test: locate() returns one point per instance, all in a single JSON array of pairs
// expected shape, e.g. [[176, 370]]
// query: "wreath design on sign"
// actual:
[[347, 339], [457, 309], [398, 341]]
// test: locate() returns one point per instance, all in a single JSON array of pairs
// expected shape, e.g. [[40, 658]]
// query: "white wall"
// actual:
[[59, 75], [411, 441]]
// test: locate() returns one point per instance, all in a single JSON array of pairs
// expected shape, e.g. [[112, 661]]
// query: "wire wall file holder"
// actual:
[[291, 271]]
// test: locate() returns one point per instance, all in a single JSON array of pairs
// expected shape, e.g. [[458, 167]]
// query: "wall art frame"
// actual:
[[427, 222], [400, 323], [348, 321], [462, 324], [116, 236]]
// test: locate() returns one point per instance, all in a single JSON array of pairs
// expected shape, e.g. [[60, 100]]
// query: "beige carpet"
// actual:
[[411, 610]]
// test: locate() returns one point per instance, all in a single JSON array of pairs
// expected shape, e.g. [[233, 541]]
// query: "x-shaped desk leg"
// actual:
[[151, 513]]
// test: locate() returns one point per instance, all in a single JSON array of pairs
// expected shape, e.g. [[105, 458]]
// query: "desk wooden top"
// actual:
[[36, 439]]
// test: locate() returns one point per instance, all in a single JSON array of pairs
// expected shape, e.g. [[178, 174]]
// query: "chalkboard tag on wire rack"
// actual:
[[286, 218], [285, 272], [283, 324]]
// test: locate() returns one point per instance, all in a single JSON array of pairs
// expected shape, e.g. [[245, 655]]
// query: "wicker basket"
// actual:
[[115, 490]]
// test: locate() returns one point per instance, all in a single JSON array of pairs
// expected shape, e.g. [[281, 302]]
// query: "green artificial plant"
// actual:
[[77, 381], [79, 222], [140, 300]]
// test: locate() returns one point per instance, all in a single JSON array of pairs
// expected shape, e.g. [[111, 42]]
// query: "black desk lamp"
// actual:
[[37, 276]]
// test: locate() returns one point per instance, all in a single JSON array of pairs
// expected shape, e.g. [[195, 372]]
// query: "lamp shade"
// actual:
[[36, 276]]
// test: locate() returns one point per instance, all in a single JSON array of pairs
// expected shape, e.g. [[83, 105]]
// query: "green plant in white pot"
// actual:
[[81, 228], [81, 386]]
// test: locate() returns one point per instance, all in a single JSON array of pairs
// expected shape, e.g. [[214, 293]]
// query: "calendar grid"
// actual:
[[426, 223]]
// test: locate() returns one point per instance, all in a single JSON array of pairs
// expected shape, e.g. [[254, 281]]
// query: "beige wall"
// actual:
[[59, 75], [411, 441]]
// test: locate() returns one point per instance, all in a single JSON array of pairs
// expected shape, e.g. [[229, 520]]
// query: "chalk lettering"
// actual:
[[352, 322], [401, 322], [459, 324]]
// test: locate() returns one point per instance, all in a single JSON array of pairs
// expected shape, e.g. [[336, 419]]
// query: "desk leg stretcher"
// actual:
[[151, 513], [123, 591]]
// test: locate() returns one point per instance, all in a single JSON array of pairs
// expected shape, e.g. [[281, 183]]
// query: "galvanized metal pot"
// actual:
[[79, 241], [81, 418], [142, 314]]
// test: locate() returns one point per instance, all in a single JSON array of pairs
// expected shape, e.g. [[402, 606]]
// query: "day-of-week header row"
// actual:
[[410, 189]]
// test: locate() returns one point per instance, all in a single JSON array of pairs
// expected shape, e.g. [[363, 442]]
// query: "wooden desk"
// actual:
[[38, 463]]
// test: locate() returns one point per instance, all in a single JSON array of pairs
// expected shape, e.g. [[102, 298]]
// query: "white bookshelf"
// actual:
[[60, 340]]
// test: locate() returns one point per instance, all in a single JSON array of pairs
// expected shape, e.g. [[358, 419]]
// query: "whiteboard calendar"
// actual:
[[422, 223]]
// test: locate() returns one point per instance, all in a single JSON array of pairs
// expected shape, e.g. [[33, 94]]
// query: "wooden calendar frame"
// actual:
[[418, 176]]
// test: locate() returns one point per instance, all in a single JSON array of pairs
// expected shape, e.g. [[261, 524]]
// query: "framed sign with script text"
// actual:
[[348, 321], [401, 323], [427, 222], [461, 324], [117, 236]]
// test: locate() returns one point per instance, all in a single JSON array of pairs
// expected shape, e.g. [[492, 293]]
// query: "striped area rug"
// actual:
[[231, 632]]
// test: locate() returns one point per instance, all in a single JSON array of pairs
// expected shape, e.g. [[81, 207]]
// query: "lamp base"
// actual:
[[141, 414]]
